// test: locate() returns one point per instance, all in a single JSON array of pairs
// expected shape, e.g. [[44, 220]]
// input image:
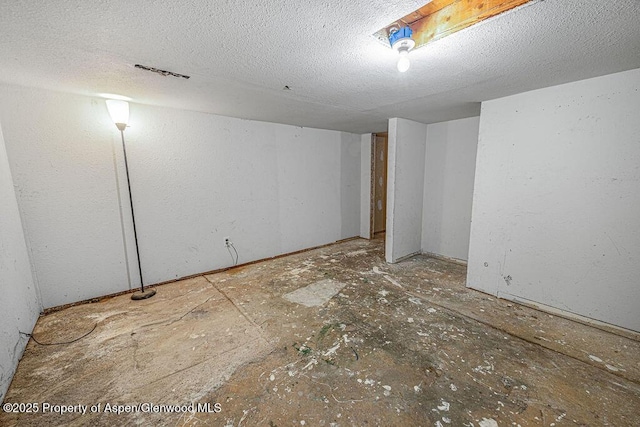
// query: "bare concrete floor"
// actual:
[[329, 337]]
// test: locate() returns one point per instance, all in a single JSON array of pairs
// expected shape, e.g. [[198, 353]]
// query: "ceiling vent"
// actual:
[[161, 72]]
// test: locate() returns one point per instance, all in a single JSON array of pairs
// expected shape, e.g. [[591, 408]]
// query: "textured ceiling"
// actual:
[[240, 54]]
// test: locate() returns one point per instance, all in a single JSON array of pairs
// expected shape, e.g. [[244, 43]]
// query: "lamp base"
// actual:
[[148, 293]]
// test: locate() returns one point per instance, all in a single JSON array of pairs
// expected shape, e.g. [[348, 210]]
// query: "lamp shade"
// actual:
[[119, 111]]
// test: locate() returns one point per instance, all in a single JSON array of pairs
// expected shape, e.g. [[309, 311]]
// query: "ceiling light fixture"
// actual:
[[402, 43]]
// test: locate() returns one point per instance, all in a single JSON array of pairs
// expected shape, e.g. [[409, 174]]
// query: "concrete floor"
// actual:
[[329, 337]]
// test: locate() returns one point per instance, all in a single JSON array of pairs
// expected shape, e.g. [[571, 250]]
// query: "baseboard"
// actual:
[[445, 258], [405, 257], [191, 276], [607, 327]]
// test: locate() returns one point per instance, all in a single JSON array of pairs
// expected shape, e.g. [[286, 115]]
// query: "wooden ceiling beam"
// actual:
[[441, 18]]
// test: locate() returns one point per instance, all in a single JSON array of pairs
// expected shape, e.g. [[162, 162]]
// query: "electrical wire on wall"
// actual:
[[234, 260]]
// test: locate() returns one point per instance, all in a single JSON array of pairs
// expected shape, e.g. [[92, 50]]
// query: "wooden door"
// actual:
[[379, 183]]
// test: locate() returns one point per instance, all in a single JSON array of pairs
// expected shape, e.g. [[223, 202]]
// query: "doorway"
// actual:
[[379, 185]]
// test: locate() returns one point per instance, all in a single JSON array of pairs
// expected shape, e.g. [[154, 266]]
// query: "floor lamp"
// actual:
[[119, 111]]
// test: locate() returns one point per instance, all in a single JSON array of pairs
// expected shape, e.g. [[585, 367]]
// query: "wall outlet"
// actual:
[[227, 241]]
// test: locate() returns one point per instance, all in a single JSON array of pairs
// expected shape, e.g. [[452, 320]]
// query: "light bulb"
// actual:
[[403, 61]]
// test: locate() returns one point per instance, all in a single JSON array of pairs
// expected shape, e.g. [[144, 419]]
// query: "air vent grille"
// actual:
[[162, 72]]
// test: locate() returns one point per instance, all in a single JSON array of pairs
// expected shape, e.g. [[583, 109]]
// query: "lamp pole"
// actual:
[[119, 111], [143, 294]]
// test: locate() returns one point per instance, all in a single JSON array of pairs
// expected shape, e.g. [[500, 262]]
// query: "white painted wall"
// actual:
[[365, 185], [60, 152], [405, 188], [271, 188], [350, 185], [196, 178], [450, 164], [19, 303], [557, 199]]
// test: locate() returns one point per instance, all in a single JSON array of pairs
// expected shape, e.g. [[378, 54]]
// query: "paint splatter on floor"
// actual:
[[331, 337]]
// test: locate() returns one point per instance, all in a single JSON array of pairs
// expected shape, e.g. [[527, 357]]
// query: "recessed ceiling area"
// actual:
[[241, 54]]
